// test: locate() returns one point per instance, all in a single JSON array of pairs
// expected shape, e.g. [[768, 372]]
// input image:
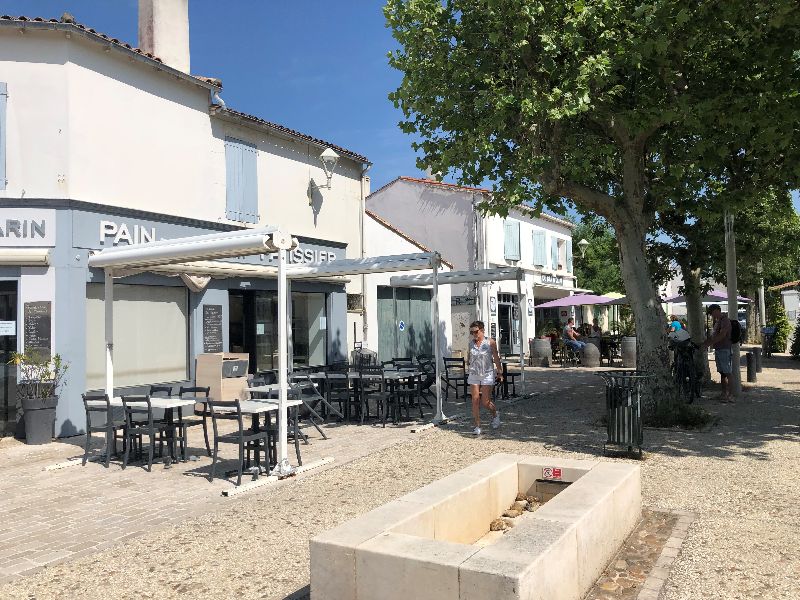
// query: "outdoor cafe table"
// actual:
[[167, 405], [255, 408]]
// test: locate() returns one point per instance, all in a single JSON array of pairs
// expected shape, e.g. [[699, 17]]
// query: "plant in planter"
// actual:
[[38, 382]]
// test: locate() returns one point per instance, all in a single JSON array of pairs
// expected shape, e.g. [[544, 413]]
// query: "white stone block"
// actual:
[[401, 567]]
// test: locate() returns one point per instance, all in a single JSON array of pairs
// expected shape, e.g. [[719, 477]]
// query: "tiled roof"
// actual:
[[405, 236], [67, 23], [296, 134]]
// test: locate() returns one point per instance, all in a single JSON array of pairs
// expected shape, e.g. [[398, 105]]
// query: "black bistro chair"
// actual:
[[98, 405], [200, 416], [428, 369], [372, 386], [455, 375], [139, 422], [246, 438]]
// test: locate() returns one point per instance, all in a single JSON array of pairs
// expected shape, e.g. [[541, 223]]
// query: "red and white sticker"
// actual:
[[551, 473]]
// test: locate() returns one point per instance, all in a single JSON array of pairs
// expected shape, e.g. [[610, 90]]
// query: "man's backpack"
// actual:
[[736, 331]]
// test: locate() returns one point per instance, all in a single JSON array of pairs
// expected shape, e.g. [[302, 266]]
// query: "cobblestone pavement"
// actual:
[[47, 517]]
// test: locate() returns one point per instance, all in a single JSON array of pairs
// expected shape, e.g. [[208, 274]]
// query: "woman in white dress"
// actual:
[[483, 371]]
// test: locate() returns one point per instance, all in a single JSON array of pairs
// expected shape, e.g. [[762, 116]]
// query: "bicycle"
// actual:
[[684, 371]]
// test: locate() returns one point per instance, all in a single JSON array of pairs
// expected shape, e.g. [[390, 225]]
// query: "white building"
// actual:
[[399, 319], [447, 218], [103, 144]]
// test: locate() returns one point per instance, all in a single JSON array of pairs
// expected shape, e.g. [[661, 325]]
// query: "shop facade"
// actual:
[[161, 322]]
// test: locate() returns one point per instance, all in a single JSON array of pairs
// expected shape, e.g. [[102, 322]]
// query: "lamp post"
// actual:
[[582, 246], [762, 310], [329, 158]]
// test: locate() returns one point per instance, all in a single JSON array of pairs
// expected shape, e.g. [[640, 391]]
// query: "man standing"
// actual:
[[571, 336], [720, 339]]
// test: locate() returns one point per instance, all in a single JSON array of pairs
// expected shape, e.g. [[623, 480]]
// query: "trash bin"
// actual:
[[624, 408], [768, 339]]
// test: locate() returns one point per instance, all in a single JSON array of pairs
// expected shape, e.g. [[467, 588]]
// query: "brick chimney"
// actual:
[[164, 31]]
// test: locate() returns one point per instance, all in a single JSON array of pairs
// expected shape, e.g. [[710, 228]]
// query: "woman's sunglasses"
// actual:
[[473, 331]]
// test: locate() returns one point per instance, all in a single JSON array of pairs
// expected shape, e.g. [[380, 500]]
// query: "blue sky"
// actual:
[[316, 66]]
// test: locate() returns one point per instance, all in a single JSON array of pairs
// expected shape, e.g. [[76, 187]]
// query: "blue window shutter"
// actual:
[[539, 251], [554, 253], [569, 255], [3, 121], [511, 230], [241, 192]]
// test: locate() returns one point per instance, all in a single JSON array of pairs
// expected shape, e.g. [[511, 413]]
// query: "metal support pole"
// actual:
[[283, 468], [439, 417], [762, 308], [733, 301], [396, 324], [289, 333], [108, 303], [523, 317]]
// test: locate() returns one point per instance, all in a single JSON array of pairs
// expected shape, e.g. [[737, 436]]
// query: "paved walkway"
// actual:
[[47, 517]]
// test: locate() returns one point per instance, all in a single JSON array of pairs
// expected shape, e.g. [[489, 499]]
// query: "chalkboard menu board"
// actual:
[[212, 328], [38, 328]]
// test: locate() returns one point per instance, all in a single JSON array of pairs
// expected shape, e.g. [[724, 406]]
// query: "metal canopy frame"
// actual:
[[476, 276], [124, 261], [388, 264]]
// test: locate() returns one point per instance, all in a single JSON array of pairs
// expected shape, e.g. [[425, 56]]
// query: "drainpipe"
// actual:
[[364, 325]]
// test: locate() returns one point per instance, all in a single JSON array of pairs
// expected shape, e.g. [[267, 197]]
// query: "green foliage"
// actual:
[[599, 270], [605, 105], [795, 349], [38, 377], [776, 317]]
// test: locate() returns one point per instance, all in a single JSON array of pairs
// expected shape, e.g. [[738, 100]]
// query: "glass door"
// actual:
[[8, 345]]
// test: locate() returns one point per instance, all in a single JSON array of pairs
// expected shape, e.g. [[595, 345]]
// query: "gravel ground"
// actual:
[[739, 477]]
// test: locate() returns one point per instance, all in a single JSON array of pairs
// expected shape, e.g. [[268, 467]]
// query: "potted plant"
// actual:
[[38, 382]]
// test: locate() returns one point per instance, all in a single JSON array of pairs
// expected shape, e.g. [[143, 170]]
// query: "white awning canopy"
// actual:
[[25, 257], [188, 249], [456, 277], [365, 266]]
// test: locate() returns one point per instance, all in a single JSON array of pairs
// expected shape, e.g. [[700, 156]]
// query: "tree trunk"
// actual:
[[695, 316], [753, 318], [652, 353]]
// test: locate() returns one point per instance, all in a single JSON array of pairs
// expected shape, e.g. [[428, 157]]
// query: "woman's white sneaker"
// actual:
[[496, 420], [477, 431]]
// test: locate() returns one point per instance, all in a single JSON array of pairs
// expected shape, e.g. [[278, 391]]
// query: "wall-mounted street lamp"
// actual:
[[328, 158], [582, 246]]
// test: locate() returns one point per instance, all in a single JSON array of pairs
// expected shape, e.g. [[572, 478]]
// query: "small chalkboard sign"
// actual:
[[38, 329], [212, 328]]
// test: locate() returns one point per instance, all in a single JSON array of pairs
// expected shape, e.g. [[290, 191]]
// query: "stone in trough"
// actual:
[[509, 522], [520, 505], [512, 513], [497, 525], [520, 497]]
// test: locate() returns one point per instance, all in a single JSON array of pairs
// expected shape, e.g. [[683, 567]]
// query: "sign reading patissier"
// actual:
[[28, 227]]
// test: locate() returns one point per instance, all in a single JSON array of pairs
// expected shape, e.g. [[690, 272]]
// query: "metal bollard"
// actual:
[[751, 368], [757, 354]]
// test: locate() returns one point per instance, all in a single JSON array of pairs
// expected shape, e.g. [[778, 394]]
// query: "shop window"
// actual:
[[151, 335], [241, 191], [3, 121]]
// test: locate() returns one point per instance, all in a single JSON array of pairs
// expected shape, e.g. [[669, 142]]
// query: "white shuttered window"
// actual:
[[539, 249], [511, 231], [241, 192]]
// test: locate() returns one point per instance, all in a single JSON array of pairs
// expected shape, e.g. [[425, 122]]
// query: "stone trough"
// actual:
[[432, 543]]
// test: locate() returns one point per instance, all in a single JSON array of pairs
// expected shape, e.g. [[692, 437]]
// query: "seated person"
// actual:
[[675, 324], [595, 331], [570, 336]]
